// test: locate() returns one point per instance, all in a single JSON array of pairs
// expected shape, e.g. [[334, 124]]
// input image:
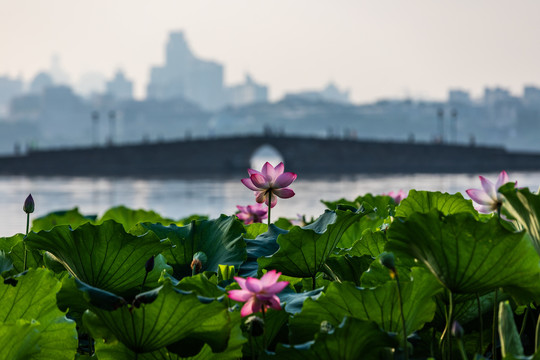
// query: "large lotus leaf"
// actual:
[[5, 262], [371, 243], [103, 256], [303, 251], [221, 240], [265, 244], [508, 333], [13, 248], [425, 201], [383, 205], [469, 256], [65, 217], [378, 274], [524, 207], [347, 268], [294, 301], [351, 339], [34, 298], [380, 304], [255, 229], [201, 285], [115, 350], [129, 217], [171, 315], [18, 340]]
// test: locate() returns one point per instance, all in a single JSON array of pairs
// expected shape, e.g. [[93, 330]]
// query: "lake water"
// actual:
[[179, 198]]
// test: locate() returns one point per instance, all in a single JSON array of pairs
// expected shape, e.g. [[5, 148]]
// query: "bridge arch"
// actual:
[[262, 154]]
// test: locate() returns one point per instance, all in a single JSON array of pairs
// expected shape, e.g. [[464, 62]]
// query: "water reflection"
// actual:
[[180, 198]]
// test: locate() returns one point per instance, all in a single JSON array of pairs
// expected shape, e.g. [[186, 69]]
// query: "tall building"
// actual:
[[247, 93], [459, 97], [9, 88], [531, 96], [120, 87], [40, 82], [185, 76]]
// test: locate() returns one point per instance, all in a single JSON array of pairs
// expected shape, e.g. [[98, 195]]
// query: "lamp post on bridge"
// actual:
[[112, 123], [95, 127], [440, 116], [454, 124]]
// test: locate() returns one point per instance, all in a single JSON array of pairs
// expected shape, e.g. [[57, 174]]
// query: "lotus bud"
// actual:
[[326, 327], [457, 330], [28, 206], [199, 260], [388, 260], [254, 326], [149, 266]]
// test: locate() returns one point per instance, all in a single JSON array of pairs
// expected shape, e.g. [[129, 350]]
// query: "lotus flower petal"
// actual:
[[259, 181], [240, 295], [284, 193], [249, 184], [250, 307], [279, 169], [488, 187], [479, 196], [261, 197], [284, 180], [254, 285], [270, 278], [501, 179], [269, 172]]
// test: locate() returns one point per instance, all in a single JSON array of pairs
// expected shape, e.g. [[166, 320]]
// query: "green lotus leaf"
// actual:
[[129, 217], [293, 301], [524, 207], [162, 320], [201, 285], [371, 243], [425, 201], [508, 333], [351, 339], [65, 217], [264, 244], [13, 248], [5, 262], [303, 251], [103, 256], [19, 340], [380, 304], [347, 268], [378, 274], [254, 230], [115, 350], [34, 298], [469, 256], [220, 240]]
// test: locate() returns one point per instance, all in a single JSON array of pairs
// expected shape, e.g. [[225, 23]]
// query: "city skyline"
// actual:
[[384, 49]]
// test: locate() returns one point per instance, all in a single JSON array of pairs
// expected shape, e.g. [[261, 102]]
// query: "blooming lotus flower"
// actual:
[[397, 196], [487, 198], [258, 294], [252, 213], [270, 182]]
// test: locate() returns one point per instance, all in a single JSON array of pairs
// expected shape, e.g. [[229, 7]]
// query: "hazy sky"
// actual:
[[377, 48]]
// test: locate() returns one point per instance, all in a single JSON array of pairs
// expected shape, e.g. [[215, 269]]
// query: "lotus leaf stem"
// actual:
[[405, 347], [481, 342], [269, 207], [494, 330], [25, 250]]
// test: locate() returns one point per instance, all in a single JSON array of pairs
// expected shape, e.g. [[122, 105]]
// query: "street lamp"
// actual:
[[95, 127], [454, 124], [440, 116], [112, 119]]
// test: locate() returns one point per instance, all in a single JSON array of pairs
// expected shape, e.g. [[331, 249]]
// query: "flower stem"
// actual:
[[269, 207], [144, 280], [405, 347], [264, 332], [25, 250], [494, 330], [537, 333], [462, 349], [481, 323]]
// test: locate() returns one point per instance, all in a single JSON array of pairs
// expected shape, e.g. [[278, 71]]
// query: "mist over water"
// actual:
[[179, 198]]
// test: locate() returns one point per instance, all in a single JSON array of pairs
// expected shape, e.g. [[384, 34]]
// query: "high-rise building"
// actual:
[[120, 87], [247, 93], [184, 75], [459, 97], [9, 88]]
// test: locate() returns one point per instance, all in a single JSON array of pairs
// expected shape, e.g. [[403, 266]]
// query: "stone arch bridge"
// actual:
[[231, 156]]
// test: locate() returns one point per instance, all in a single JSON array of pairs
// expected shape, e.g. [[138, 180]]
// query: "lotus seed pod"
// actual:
[[28, 206], [254, 326]]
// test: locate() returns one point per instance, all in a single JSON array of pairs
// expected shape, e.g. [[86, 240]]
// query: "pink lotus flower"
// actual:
[[252, 213], [487, 198], [397, 196], [259, 294], [270, 182]]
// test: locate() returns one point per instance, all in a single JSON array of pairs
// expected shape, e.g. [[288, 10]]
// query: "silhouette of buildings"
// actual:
[[9, 88], [247, 93], [40, 82], [185, 76], [329, 94], [120, 87]]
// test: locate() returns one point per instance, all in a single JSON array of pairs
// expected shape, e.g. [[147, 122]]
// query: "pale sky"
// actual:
[[376, 49]]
